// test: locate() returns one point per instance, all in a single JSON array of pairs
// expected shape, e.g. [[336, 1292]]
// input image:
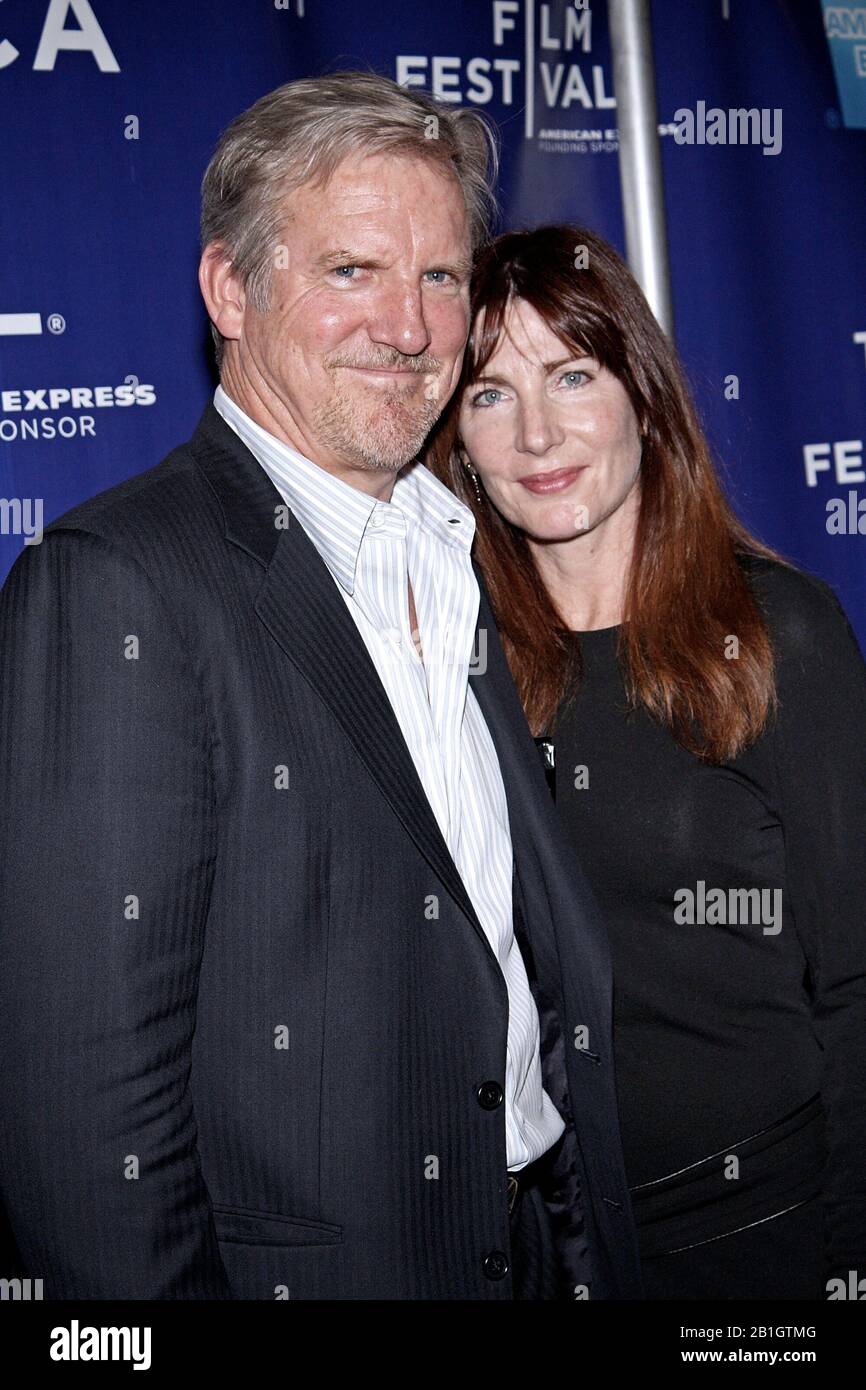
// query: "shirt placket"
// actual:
[[381, 590], [447, 675]]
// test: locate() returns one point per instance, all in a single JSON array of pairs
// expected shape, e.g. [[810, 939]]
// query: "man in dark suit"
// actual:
[[301, 992]]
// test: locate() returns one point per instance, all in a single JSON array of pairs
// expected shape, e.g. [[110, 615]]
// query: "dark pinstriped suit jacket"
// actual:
[[240, 1058]]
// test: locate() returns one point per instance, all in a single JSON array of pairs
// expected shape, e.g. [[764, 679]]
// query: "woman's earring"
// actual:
[[474, 476]]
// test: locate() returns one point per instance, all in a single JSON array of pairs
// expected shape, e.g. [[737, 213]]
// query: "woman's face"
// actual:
[[554, 437]]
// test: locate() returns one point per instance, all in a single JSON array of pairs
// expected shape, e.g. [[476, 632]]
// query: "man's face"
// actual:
[[362, 346]]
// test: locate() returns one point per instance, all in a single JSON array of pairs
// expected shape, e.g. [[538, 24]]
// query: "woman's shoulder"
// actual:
[[801, 610]]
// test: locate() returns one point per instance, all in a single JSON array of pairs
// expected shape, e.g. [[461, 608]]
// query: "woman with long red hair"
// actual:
[[705, 702]]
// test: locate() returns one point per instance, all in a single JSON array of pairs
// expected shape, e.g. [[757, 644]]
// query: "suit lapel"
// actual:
[[500, 704], [300, 606], [563, 925]]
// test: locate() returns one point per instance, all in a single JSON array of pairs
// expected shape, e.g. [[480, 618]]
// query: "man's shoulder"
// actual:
[[152, 503], [147, 525]]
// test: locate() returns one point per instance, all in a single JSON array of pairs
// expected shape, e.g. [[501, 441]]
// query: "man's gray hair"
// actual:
[[301, 131]]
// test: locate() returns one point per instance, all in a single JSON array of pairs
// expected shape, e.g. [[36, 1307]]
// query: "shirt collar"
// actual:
[[334, 514]]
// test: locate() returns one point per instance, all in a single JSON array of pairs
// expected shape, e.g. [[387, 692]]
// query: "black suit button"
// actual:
[[489, 1095], [495, 1265]]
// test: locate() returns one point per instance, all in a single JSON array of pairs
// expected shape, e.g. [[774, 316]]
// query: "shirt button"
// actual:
[[489, 1095], [376, 518], [495, 1265]]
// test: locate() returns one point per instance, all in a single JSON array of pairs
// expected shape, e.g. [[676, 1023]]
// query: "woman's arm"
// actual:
[[820, 740]]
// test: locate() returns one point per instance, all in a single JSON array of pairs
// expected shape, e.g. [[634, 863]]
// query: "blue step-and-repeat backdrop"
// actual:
[[109, 112]]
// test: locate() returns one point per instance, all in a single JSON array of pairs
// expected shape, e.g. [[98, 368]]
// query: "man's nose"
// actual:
[[397, 320]]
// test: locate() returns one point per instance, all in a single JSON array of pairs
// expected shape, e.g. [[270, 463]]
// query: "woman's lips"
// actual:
[[554, 481]]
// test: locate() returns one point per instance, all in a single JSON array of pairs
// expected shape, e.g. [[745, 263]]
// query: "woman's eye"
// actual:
[[480, 398], [573, 373], [444, 273]]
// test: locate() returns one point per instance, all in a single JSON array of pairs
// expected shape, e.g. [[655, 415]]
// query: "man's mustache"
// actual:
[[421, 364]]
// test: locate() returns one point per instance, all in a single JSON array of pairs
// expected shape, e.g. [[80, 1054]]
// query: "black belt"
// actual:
[[519, 1179], [781, 1168]]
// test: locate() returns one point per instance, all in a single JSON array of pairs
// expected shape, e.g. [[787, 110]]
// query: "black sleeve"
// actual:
[[821, 768], [107, 845]]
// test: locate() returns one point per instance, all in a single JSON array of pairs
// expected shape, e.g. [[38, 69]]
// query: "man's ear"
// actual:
[[222, 290]]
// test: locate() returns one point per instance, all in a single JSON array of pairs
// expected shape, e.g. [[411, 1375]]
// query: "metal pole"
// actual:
[[640, 172]]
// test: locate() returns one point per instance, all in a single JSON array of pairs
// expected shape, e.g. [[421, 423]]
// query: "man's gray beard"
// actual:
[[374, 440]]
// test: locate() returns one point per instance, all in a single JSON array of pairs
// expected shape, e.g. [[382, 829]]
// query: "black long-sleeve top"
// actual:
[[722, 1028]]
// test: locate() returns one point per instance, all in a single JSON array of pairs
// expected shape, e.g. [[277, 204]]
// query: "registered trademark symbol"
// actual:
[[55, 323]]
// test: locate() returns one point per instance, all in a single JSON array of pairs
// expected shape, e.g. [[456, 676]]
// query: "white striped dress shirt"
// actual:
[[373, 549]]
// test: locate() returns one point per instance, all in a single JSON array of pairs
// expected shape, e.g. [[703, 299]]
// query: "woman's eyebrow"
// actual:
[[548, 367], [572, 357]]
